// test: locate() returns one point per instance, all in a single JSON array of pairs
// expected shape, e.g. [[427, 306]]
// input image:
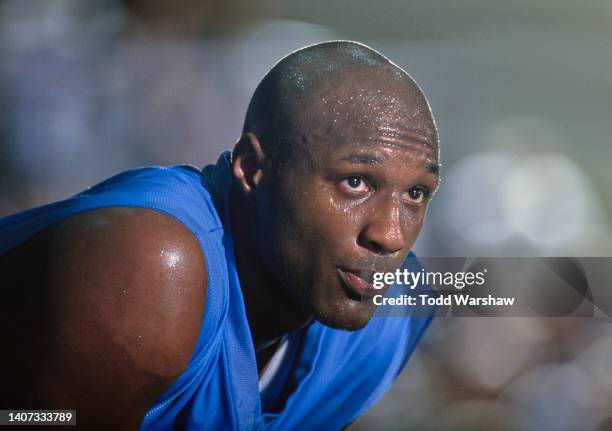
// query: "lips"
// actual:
[[358, 284]]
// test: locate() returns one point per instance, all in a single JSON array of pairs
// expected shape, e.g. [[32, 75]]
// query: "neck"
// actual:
[[270, 310]]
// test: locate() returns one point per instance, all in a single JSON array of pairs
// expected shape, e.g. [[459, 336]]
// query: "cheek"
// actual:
[[298, 224], [344, 210], [340, 219], [412, 222]]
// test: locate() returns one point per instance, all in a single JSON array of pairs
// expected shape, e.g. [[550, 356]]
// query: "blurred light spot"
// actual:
[[549, 201], [480, 349], [544, 199], [474, 203]]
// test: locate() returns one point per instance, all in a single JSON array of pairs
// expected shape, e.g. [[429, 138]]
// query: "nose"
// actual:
[[383, 233]]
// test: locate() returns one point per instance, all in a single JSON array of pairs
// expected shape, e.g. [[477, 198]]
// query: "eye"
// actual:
[[418, 194], [355, 184]]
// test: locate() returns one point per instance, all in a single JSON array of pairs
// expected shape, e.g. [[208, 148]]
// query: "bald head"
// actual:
[[330, 86]]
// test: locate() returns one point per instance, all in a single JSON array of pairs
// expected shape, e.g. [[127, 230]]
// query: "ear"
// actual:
[[247, 163]]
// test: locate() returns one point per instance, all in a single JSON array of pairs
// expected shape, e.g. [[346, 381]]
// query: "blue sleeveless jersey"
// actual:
[[329, 377]]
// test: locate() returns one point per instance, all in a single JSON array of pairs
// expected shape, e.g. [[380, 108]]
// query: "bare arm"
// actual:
[[112, 301]]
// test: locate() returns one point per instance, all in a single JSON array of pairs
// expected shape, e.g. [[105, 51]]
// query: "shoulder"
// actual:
[[143, 268], [124, 291]]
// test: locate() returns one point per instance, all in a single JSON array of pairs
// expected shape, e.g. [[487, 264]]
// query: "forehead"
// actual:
[[367, 123], [366, 107]]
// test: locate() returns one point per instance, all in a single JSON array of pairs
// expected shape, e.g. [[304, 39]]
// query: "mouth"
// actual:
[[358, 284]]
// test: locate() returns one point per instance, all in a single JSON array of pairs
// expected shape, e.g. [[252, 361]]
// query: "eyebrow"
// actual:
[[433, 168], [364, 159]]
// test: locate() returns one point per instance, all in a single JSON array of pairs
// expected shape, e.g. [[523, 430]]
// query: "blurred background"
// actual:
[[521, 91]]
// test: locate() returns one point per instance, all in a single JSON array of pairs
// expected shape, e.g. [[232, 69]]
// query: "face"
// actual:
[[351, 201]]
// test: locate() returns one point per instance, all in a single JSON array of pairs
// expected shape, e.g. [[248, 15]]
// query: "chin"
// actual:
[[351, 315]]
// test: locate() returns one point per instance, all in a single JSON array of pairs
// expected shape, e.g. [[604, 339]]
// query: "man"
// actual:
[[158, 298]]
